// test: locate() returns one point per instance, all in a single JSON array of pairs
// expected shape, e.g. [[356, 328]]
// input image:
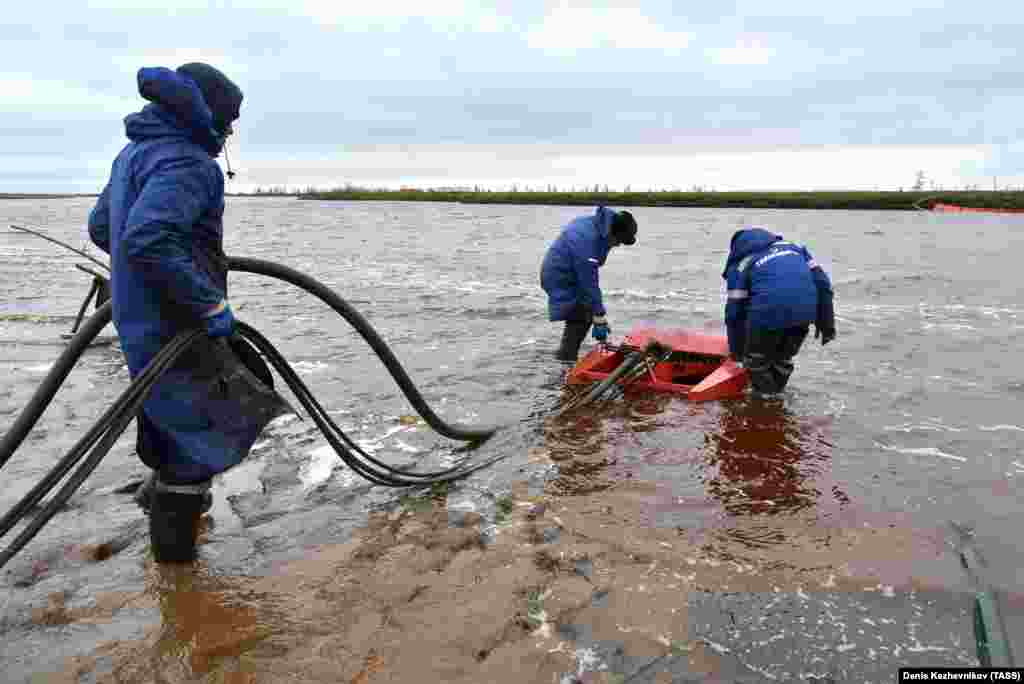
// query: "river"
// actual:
[[909, 424]]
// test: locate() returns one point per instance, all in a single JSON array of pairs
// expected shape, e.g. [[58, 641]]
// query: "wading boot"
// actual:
[[174, 520], [572, 337], [143, 496]]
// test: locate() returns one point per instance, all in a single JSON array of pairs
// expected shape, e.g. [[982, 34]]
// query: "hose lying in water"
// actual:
[[356, 320], [629, 363], [633, 366], [102, 436]]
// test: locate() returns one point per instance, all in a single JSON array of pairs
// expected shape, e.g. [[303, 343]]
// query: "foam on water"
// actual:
[[923, 451], [309, 367], [321, 464]]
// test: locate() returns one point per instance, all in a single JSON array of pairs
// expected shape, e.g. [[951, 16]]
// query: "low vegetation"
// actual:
[[881, 200]]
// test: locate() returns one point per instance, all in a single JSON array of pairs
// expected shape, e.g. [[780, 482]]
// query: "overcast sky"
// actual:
[[788, 94]]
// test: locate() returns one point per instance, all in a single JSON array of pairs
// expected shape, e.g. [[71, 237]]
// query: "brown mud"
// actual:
[[417, 596]]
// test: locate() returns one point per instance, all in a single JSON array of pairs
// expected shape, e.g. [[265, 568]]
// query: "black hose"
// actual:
[[104, 434], [128, 397], [356, 320], [343, 445], [85, 304], [94, 325], [52, 382], [628, 363]]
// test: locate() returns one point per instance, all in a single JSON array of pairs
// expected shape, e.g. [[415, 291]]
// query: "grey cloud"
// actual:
[[15, 32], [918, 78]]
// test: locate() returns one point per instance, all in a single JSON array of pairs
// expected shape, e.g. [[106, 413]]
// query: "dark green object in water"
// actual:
[[989, 629]]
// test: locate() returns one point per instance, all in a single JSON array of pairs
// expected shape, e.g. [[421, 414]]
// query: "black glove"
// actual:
[[825, 323], [826, 334]]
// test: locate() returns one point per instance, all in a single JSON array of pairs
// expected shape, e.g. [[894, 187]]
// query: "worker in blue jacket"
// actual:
[[569, 275], [775, 291], [160, 217]]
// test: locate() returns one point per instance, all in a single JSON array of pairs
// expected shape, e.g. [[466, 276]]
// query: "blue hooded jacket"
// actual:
[[773, 284], [569, 272], [160, 219]]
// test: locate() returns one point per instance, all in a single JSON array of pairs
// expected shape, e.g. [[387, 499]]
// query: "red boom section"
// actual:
[[955, 209]]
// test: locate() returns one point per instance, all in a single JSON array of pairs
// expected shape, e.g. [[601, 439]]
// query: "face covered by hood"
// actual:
[[623, 227], [197, 102], [747, 241]]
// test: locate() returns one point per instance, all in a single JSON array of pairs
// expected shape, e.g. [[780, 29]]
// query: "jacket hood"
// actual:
[[603, 218], [746, 242], [178, 110], [220, 93]]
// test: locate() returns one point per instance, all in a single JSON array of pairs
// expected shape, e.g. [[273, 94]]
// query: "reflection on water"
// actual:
[[757, 458], [762, 459], [576, 443], [745, 476], [592, 444], [767, 468]]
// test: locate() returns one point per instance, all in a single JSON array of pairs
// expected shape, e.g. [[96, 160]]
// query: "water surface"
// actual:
[[911, 419]]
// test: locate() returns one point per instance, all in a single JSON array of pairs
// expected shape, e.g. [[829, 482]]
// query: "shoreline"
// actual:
[[845, 200], [838, 200]]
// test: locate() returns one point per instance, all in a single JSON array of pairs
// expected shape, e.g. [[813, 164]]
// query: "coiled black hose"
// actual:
[[375, 470], [102, 436], [356, 320]]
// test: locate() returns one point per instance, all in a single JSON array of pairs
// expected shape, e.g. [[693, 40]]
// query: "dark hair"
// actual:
[[624, 228]]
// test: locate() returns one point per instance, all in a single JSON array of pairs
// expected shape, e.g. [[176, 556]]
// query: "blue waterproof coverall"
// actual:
[[160, 219], [569, 272], [569, 275], [775, 291]]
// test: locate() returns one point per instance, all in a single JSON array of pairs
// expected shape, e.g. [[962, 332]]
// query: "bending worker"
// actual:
[[569, 275], [775, 291], [160, 217]]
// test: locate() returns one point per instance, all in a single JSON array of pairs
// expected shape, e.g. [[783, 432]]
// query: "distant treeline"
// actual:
[[885, 200], [40, 195], [876, 200]]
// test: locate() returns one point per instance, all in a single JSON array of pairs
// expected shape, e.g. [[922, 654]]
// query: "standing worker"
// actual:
[[569, 275], [775, 291], [160, 217]]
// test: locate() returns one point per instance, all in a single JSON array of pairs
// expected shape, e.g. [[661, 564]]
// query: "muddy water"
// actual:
[[647, 540]]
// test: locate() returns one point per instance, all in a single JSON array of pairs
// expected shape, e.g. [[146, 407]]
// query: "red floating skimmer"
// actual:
[[686, 362]]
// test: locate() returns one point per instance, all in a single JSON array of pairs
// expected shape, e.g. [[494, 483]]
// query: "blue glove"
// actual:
[[601, 329], [221, 321]]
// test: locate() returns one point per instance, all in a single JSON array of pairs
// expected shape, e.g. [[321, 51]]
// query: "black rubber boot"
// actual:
[[143, 496], [572, 338], [173, 524]]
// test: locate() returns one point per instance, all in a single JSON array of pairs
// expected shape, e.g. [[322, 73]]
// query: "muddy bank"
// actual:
[[567, 589]]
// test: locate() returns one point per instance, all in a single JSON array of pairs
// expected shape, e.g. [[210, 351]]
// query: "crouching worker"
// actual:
[[775, 291], [569, 275], [160, 217]]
